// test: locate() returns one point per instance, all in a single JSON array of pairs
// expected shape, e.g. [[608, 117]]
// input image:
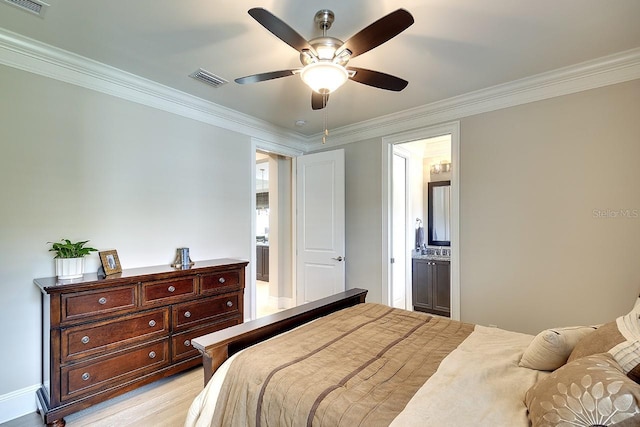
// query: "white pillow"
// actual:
[[551, 348]]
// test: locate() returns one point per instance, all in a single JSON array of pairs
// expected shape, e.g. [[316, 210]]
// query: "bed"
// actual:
[[343, 362]]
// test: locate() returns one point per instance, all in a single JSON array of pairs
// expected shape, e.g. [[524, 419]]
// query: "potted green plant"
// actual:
[[70, 258]]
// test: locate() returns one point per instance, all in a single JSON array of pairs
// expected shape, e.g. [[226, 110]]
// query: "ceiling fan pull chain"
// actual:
[[326, 119]]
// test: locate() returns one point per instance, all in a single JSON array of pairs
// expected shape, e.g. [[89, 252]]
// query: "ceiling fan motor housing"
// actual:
[[326, 48], [324, 18]]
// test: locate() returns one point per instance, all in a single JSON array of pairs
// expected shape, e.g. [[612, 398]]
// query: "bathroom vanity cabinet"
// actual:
[[431, 285]]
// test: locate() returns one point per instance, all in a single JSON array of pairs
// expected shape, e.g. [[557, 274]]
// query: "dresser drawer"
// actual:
[[86, 340], [166, 291], [213, 282], [181, 343], [93, 303], [195, 313], [83, 378]]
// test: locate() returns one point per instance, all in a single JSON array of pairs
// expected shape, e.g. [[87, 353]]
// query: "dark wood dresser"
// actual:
[[104, 337]]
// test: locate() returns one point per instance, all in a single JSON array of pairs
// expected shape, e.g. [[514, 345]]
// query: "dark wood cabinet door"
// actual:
[[259, 263], [262, 263], [421, 285], [265, 263], [442, 286], [431, 286]]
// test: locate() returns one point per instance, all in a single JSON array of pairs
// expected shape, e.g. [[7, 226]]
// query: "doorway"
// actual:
[[273, 233], [417, 173]]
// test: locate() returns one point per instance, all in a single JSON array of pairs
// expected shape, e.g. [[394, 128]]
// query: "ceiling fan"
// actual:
[[324, 59]]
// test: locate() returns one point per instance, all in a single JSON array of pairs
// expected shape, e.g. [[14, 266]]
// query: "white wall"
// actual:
[[417, 201], [83, 165]]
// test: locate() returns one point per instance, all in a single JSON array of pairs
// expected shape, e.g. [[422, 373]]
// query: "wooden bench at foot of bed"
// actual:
[[216, 347]]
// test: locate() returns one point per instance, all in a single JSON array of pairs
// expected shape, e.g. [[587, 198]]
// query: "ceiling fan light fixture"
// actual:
[[325, 52], [324, 77]]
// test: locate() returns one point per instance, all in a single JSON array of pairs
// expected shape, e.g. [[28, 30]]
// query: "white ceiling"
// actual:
[[454, 47], [438, 146]]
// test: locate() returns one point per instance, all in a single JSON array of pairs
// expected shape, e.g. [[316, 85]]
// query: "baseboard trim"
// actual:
[[18, 403]]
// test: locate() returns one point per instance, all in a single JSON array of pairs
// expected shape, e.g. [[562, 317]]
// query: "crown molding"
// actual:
[[35, 57], [616, 68]]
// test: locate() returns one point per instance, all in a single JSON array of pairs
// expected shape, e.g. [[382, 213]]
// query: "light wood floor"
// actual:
[[265, 306], [163, 403]]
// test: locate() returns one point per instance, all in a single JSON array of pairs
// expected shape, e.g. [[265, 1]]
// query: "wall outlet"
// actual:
[[493, 326]]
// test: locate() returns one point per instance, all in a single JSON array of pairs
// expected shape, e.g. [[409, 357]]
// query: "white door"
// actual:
[[399, 231], [320, 225]]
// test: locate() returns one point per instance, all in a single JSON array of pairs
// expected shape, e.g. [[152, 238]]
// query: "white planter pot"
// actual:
[[69, 268]]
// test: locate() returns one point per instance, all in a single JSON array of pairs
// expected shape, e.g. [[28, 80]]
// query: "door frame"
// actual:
[[406, 268], [452, 128], [250, 294]]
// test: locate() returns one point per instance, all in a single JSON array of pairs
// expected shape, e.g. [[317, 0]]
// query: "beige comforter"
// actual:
[[359, 366], [369, 365]]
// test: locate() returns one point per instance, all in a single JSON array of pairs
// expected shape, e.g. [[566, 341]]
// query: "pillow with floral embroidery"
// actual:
[[590, 391]]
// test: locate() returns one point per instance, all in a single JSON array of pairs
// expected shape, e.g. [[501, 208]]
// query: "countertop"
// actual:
[[434, 254]]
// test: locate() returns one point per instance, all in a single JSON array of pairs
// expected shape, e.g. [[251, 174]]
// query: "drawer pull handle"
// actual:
[[229, 304], [171, 289], [152, 323], [85, 340], [187, 314], [187, 343], [86, 376], [102, 301], [221, 280], [152, 355]]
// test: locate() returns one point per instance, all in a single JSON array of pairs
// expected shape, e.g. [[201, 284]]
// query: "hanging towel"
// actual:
[[419, 237]]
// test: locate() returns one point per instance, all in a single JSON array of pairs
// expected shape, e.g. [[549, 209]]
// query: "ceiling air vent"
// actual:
[[35, 7], [209, 78]]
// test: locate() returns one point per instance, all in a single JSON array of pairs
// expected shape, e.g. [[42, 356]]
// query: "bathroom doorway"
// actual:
[[421, 165], [273, 231]]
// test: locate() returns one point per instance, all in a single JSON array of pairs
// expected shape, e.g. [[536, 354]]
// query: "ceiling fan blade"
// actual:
[[378, 79], [280, 29], [265, 76], [377, 33], [318, 102]]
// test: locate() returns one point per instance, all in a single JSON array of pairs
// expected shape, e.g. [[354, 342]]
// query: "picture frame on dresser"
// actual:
[[110, 262]]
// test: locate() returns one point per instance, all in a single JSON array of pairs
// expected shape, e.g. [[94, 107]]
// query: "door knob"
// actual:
[[339, 258]]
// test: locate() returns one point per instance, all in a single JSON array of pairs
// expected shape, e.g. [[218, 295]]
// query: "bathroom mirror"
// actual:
[[439, 213]]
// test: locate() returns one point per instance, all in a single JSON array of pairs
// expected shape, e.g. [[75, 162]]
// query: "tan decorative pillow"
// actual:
[[620, 338], [589, 391], [550, 348], [602, 340], [629, 422]]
